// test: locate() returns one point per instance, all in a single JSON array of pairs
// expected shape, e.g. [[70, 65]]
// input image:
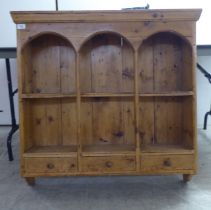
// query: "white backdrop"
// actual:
[[203, 90], [8, 28], [8, 37], [203, 31]]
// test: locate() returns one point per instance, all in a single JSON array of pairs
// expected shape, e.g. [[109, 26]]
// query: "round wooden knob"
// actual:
[[72, 165], [50, 165], [108, 164], [167, 162]]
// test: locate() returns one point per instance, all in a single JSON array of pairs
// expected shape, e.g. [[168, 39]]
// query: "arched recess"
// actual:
[[165, 63], [106, 70], [48, 62], [106, 64], [166, 67]]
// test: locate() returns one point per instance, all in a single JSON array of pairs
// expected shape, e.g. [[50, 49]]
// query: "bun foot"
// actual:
[[30, 181], [187, 177]]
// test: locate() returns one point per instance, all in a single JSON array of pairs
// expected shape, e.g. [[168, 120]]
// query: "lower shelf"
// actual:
[[165, 149], [51, 151], [104, 150], [107, 159]]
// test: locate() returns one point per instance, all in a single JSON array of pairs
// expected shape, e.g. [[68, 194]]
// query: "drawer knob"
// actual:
[[167, 162], [72, 165], [50, 165], [108, 164]]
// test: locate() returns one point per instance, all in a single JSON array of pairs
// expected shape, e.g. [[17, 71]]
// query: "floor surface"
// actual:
[[105, 193]]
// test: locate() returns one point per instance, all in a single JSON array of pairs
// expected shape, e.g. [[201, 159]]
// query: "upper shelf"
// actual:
[[114, 95], [106, 16], [50, 95], [87, 95], [170, 93]]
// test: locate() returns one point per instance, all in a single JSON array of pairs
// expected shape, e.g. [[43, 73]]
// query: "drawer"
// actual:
[[50, 165], [108, 164], [166, 162]]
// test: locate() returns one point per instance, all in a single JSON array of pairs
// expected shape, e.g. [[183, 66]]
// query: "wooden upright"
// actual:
[[107, 92]]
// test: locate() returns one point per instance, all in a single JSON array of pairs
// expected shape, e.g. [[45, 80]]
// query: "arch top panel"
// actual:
[[79, 32], [168, 33], [48, 64], [165, 63], [33, 37], [106, 64], [100, 33]]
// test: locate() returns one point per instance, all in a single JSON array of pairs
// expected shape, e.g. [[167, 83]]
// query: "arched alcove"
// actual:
[[165, 60], [106, 64], [165, 76], [107, 89], [48, 66], [48, 63]]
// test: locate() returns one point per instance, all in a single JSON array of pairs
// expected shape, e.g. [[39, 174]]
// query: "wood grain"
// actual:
[[103, 59], [108, 164], [50, 165], [166, 162], [107, 121], [107, 93], [103, 16]]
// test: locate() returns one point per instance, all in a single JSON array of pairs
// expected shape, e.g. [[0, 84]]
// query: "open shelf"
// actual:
[[107, 121], [50, 122], [86, 95], [166, 121], [166, 148], [48, 151], [112, 149], [173, 93], [45, 95]]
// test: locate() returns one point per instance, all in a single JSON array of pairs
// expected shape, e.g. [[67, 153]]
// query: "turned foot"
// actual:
[[30, 181], [187, 177]]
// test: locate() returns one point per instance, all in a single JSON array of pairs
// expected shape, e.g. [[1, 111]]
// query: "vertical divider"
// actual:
[[137, 111], [22, 105], [78, 109], [194, 106]]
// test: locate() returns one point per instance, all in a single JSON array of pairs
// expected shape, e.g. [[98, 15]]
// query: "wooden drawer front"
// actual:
[[108, 164], [166, 162], [50, 165]]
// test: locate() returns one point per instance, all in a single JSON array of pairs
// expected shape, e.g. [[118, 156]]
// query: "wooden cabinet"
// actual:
[[107, 92]]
